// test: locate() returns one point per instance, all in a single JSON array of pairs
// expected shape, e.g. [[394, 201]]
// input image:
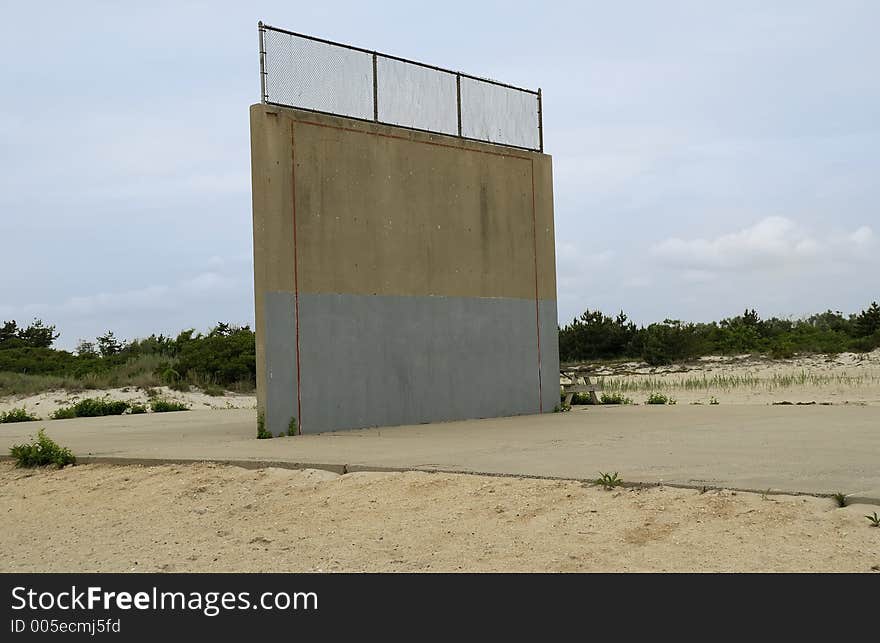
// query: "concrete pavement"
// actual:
[[801, 449]]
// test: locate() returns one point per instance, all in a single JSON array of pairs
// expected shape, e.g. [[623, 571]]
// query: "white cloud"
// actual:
[[772, 242], [151, 298], [862, 237], [577, 267], [638, 281], [698, 276], [570, 256], [197, 301]]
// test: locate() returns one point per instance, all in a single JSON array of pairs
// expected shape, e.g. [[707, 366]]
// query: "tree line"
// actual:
[[595, 336], [224, 355]]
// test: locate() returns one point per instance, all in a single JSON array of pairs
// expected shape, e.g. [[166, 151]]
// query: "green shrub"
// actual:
[[37, 361], [784, 349], [866, 323], [292, 428], [91, 407], [224, 356], [168, 375], [659, 398], [17, 415], [42, 452], [213, 390], [63, 413], [37, 335], [595, 335], [166, 406], [577, 398], [615, 398], [137, 409], [669, 342]]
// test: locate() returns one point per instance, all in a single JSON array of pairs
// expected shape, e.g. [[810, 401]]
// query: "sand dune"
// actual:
[[44, 404], [845, 378]]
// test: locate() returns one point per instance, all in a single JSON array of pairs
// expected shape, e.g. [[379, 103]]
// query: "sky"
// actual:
[[707, 156]]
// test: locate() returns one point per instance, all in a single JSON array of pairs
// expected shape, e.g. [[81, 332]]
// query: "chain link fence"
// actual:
[[323, 76]]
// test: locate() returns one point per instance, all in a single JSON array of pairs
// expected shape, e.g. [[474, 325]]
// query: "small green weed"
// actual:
[[262, 433], [291, 427], [17, 415], [42, 452], [840, 499], [609, 480], [874, 518], [137, 409]]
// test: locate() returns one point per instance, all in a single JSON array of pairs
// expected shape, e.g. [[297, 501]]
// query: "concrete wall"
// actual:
[[400, 277]]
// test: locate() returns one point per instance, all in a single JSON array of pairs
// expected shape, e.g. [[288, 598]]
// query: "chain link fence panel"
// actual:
[[319, 75], [499, 114], [415, 96]]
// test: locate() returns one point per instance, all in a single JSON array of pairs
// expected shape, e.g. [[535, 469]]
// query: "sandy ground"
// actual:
[[845, 378], [44, 404], [206, 517]]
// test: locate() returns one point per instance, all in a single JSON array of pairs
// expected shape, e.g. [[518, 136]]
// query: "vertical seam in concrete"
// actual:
[[537, 309], [295, 278]]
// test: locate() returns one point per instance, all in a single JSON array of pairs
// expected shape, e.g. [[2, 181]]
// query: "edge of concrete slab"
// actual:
[[866, 497], [244, 464]]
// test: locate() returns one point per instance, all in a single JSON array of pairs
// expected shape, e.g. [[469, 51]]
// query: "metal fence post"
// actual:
[[540, 124], [458, 99], [263, 96], [375, 88]]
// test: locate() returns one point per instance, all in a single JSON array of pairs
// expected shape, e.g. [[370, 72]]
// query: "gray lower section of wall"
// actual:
[[383, 361], [549, 354], [281, 375]]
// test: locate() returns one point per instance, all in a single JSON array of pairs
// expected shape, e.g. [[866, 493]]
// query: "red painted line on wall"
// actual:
[[537, 310], [295, 281]]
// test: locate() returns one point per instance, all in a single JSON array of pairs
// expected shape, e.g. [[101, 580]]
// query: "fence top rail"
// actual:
[[524, 148], [264, 26]]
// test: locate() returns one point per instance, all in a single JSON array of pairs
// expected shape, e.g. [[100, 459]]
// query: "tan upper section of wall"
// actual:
[[381, 210]]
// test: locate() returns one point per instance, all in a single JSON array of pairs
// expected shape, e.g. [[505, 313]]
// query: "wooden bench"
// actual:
[[570, 389]]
